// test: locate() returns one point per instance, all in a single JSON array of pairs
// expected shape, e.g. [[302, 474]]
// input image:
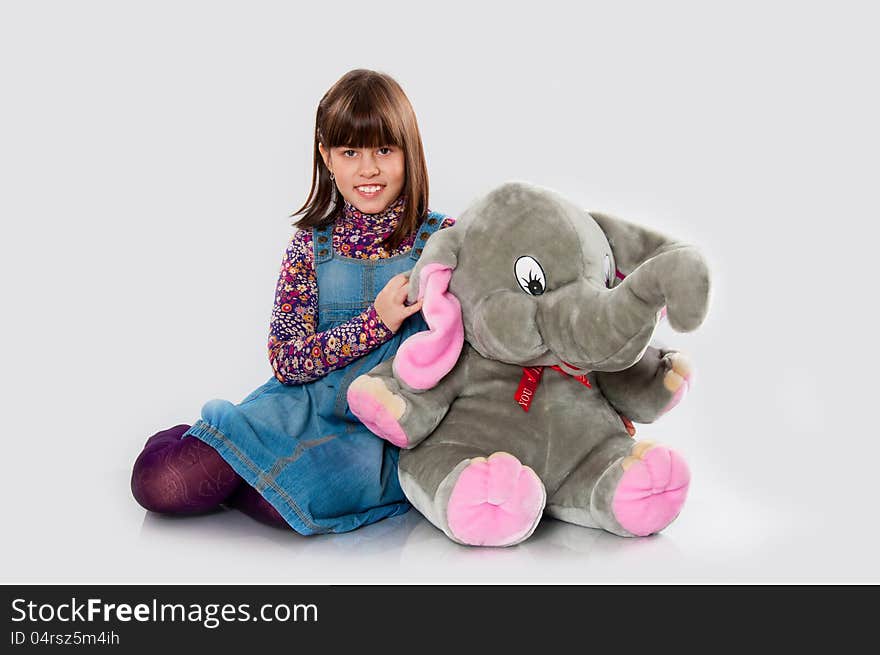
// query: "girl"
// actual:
[[292, 453]]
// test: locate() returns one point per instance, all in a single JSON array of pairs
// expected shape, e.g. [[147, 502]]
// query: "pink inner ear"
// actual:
[[426, 357]]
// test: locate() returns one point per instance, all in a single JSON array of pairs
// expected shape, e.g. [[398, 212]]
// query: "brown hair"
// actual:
[[367, 109]]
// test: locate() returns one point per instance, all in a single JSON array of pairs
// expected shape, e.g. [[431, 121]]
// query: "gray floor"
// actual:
[[721, 537], [743, 523]]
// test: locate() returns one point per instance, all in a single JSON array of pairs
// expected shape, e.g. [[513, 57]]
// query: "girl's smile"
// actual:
[[370, 190]]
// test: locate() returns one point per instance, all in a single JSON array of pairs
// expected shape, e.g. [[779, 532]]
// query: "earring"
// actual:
[[331, 176]]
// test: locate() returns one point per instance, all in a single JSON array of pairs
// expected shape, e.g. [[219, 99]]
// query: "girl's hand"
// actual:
[[390, 305]]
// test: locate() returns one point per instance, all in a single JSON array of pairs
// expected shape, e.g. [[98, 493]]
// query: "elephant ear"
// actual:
[[631, 244], [426, 357]]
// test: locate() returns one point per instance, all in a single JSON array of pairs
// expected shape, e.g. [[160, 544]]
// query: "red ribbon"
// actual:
[[528, 384], [580, 378]]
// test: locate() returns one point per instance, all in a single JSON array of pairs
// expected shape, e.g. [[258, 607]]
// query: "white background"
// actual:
[[151, 156]]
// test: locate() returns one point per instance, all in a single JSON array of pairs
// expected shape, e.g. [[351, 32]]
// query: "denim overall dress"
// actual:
[[299, 445]]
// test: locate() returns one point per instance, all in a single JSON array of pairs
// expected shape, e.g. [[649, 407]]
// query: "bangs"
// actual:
[[364, 122]]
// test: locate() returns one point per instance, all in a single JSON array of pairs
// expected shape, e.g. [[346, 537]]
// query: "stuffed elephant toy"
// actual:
[[520, 397]]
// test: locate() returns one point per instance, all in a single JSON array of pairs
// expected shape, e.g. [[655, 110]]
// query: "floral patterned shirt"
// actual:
[[297, 352]]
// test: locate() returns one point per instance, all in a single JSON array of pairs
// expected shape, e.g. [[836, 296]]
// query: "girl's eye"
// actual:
[[530, 275], [345, 152], [387, 149]]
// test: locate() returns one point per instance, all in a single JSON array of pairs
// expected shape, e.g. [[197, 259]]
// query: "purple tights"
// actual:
[[187, 476]]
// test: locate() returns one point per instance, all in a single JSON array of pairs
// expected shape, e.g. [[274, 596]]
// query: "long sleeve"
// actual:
[[297, 353]]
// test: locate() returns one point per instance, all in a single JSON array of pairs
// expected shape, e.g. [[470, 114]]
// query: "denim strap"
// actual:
[[431, 224], [322, 243]]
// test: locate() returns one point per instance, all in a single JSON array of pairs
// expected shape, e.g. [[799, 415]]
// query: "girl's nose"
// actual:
[[369, 166]]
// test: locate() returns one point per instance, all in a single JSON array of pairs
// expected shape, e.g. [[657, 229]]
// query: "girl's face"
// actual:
[[368, 178]]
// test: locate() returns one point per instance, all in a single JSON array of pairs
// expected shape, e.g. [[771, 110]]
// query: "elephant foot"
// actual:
[[652, 490], [677, 378], [496, 501], [642, 493], [378, 408]]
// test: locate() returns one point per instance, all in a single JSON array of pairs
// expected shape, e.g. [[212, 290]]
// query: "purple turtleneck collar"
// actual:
[[379, 223]]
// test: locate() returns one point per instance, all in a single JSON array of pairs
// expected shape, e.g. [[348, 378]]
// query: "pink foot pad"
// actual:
[[495, 502], [651, 492], [376, 417], [678, 395]]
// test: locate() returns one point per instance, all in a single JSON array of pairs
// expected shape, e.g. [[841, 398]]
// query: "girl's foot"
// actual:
[[181, 476]]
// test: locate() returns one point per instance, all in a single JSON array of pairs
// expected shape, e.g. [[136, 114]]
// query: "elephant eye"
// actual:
[[608, 274], [530, 276]]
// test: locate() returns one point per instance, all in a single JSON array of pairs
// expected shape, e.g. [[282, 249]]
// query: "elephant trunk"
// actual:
[[677, 278], [609, 329]]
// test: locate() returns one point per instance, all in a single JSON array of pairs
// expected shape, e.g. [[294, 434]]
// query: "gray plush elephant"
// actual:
[[519, 398]]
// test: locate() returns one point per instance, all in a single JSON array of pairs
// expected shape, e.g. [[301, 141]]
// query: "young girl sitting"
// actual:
[[292, 453]]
